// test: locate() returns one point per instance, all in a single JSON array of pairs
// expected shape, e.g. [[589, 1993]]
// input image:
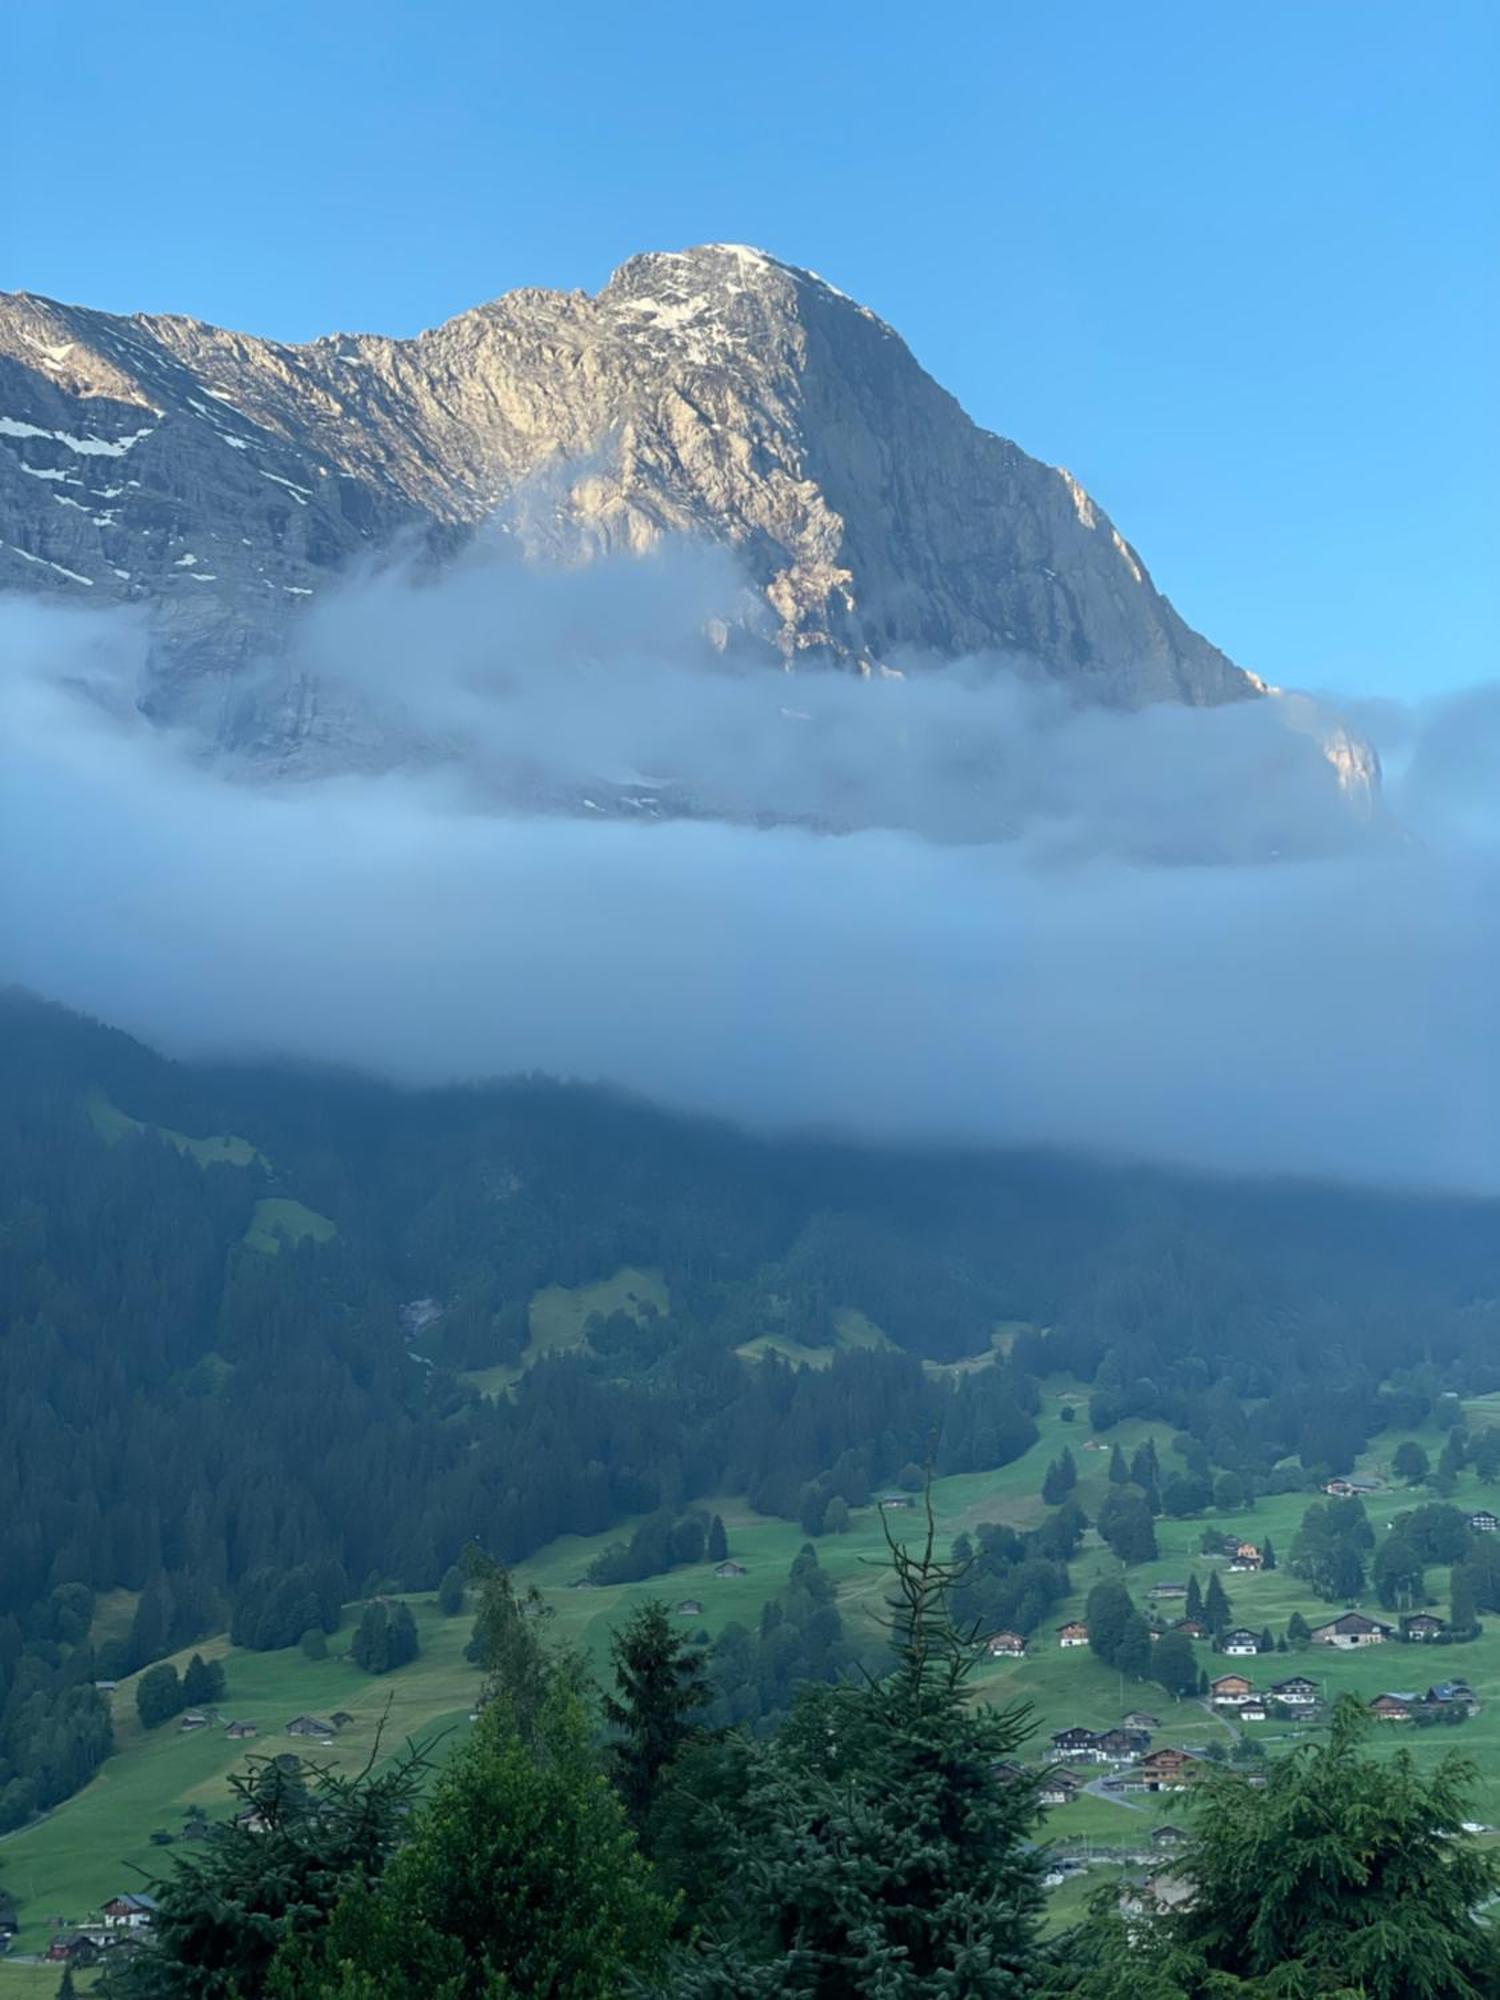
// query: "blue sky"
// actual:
[[1233, 265]]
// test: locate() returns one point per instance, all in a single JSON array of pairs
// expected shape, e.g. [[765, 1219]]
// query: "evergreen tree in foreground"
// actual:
[[1346, 1875], [878, 1850], [660, 1686]]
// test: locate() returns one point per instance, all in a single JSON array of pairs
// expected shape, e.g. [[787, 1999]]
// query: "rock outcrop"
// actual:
[[226, 480]]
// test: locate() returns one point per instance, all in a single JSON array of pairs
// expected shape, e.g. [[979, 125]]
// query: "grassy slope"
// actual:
[[558, 1316], [81, 1854], [221, 1150], [278, 1220]]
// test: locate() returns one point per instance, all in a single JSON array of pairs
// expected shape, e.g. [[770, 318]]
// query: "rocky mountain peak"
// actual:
[[226, 480]]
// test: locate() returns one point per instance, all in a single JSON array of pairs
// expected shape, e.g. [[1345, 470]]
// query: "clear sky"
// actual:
[[1232, 264]]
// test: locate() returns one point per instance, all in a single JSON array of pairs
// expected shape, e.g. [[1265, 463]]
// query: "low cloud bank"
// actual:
[[954, 907]]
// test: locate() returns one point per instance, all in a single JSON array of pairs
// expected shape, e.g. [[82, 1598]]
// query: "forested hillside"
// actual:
[[245, 1317]]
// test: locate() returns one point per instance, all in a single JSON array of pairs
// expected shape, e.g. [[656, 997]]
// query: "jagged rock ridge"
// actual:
[[226, 480]]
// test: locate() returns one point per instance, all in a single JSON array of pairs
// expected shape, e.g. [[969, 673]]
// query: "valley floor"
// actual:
[[98, 1843]]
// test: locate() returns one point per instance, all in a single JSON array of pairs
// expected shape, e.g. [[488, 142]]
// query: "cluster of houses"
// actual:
[[1443, 1702], [120, 1919], [1296, 1694], [1127, 1744]]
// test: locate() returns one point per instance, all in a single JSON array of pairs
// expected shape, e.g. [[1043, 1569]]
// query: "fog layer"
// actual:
[[950, 906]]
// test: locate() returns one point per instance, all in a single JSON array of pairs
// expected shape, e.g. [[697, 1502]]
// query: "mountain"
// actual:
[[225, 481]]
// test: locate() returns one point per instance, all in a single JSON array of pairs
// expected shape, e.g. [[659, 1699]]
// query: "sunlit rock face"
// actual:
[[226, 481]]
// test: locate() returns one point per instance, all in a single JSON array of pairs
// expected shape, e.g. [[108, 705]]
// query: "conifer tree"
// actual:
[[1267, 1555], [660, 1686], [879, 1850], [1193, 1608], [1119, 1472], [718, 1541], [1218, 1612]]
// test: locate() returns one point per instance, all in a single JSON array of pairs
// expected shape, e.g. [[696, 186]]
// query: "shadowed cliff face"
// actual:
[[226, 481]]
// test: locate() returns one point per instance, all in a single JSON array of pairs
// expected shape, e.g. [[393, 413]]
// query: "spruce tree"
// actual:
[[879, 1849], [718, 1541], [1341, 1874], [1267, 1556], [1463, 1616], [660, 1687], [1298, 1631], [1119, 1472], [1193, 1608], [1218, 1612]]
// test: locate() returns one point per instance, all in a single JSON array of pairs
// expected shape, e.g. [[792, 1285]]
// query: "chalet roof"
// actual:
[[1352, 1621]]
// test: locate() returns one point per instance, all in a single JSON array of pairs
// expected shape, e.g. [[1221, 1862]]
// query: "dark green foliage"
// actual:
[[385, 1638], [1298, 1631], [1218, 1612], [1060, 1479], [660, 1689], [1119, 1471], [876, 1848], [1006, 1581], [315, 1643], [274, 1873], [1174, 1664], [1399, 1576], [1330, 1548], [1463, 1609], [800, 1639], [273, 1608], [1410, 1462], [1193, 1606], [1345, 1875], [159, 1696], [1125, 1524], [1185, 1494], [519, 1877], [1229, 1493], [1144, 1470], [1267, 1556], [1108, 1613], [202, 1682], [717, 1550], [450, 1592]]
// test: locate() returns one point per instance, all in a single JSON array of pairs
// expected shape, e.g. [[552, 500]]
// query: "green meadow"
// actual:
[[95, 1844]]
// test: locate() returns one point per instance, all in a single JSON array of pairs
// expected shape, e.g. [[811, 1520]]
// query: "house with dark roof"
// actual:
[[1422, 1627], [1296, 1691], [1240, 1644], [1075, 1742], [127, 1913], [1351, 1629]]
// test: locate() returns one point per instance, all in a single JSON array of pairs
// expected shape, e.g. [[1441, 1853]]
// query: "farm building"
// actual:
[[1001, 1645], [1484, 1522], [730, 1568], [689, 1607], [1075, 1633], [1422, 1626], [1350, 1629]]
